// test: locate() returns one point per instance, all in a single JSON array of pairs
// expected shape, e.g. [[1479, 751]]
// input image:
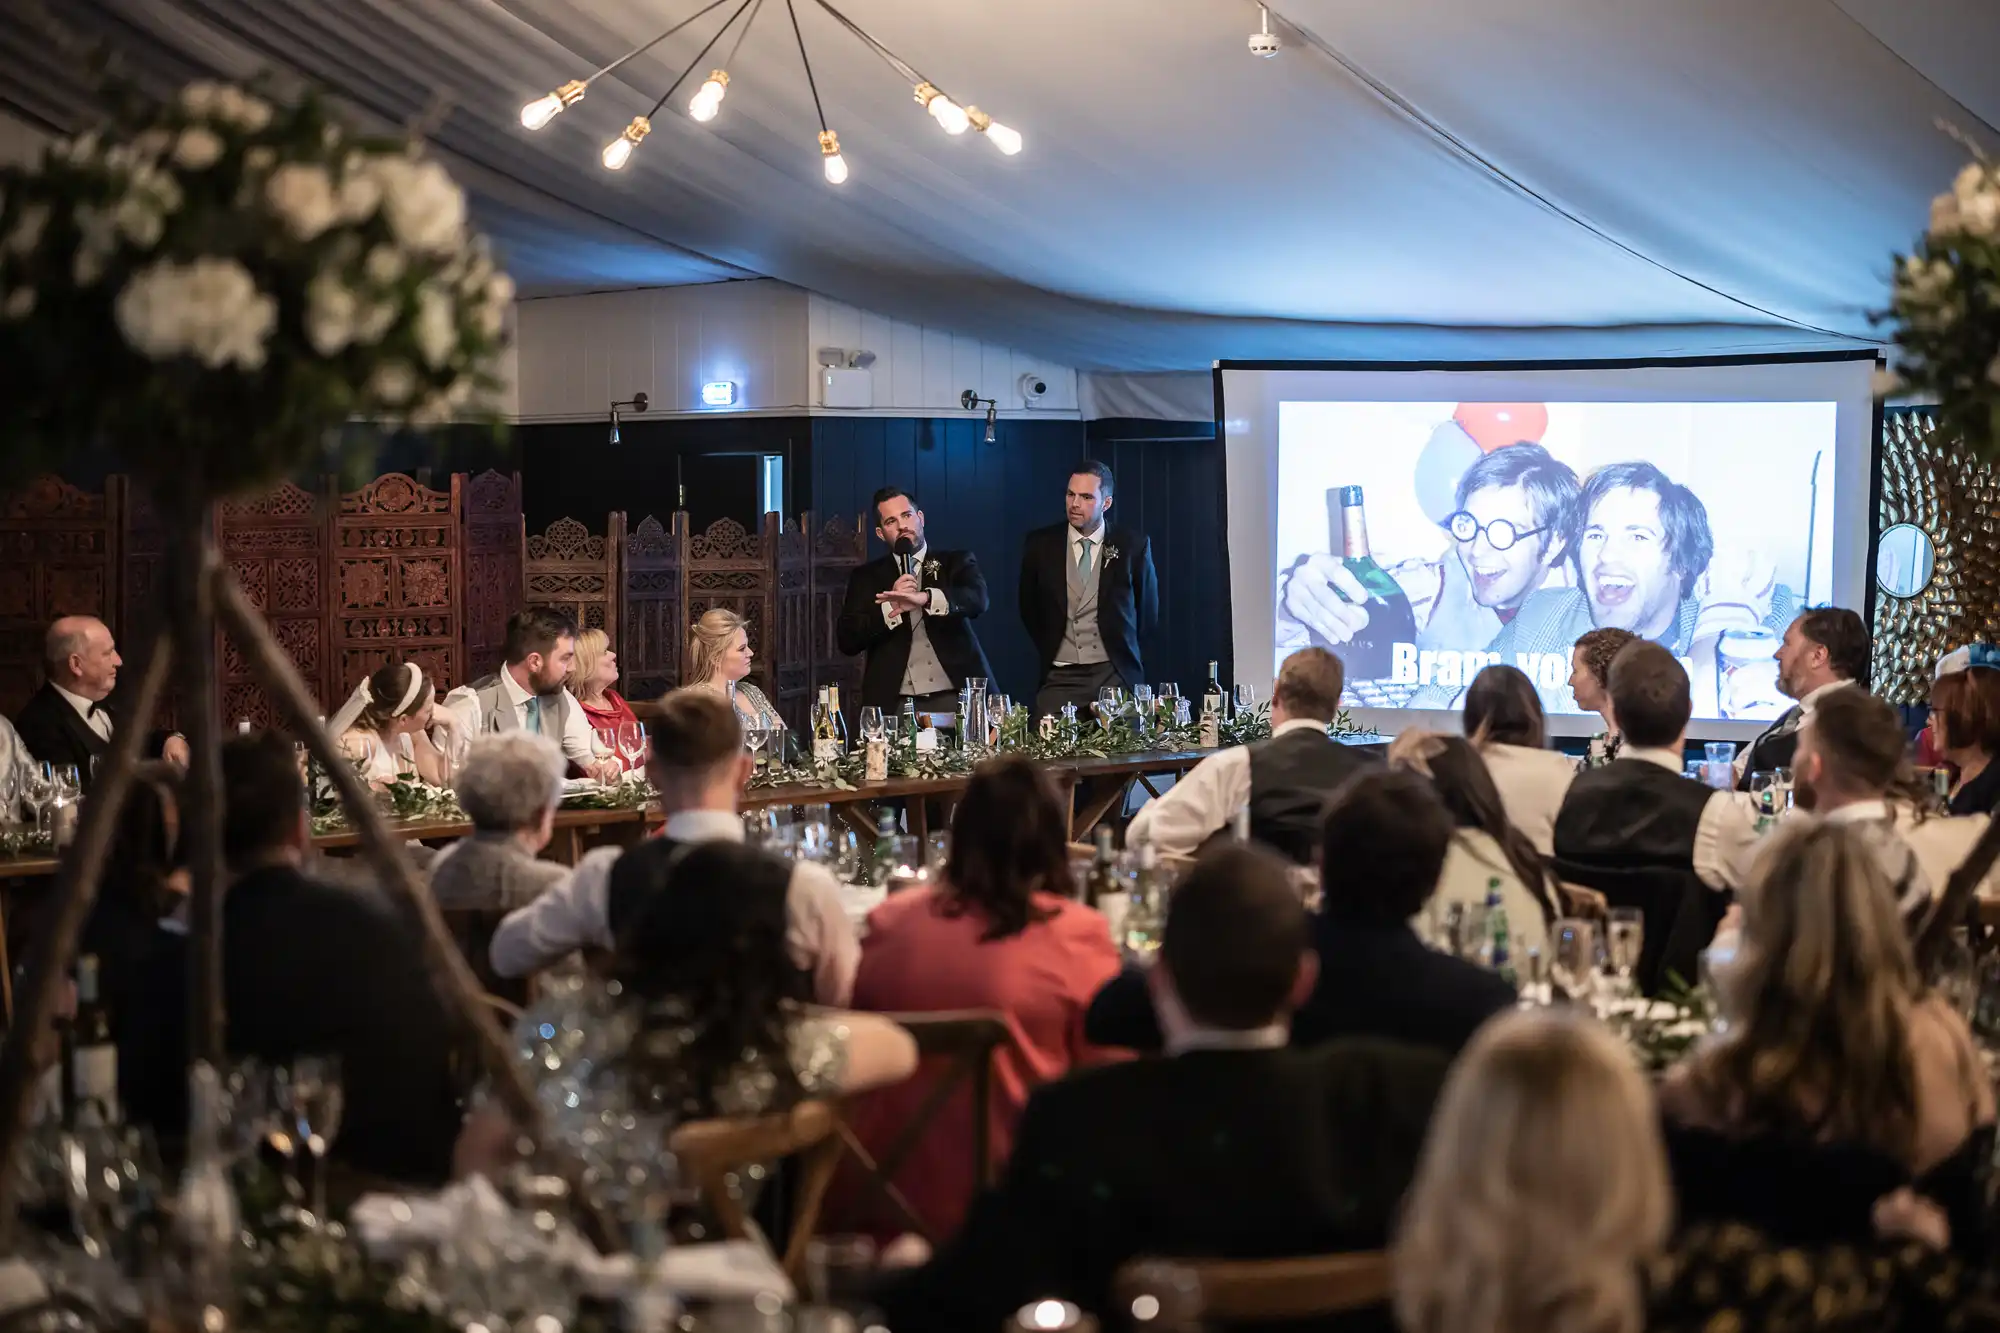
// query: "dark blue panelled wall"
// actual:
[[986, 497]]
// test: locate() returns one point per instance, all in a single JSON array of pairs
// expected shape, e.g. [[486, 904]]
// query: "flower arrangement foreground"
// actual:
[[1945, 306], [212, 285]]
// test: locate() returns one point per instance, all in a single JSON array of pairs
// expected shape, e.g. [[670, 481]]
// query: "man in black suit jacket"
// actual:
[[1087, 595], [72, 718], [911, 612], [1234, 1147], [1823, 649], [308, 968], [1383, 841]]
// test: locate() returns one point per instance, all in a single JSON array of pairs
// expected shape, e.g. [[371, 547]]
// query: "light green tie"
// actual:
[[535, 714], [1083, 558]]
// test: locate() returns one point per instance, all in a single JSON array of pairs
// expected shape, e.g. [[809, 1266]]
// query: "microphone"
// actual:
[[906, 554]]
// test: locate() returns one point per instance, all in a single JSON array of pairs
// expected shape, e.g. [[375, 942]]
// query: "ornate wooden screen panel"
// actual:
[[58, 557], [276, 545], [791, 637], [394, 564], [570, 568], [142, 591], [492, 567], [652, 614], [838, 546], [735, 569]]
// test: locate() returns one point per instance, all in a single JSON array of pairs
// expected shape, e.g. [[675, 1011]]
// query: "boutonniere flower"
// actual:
[[932, 569], [1110, 554]]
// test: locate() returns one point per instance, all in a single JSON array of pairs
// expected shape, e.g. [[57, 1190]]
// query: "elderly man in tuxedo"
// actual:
[[72, 719], [911, 613], [1087, 594]]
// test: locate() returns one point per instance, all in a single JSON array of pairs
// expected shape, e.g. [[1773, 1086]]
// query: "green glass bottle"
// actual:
[[1370, 654]]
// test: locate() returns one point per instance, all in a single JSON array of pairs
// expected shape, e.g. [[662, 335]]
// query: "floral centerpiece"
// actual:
[[212, 285], [1945, 306]]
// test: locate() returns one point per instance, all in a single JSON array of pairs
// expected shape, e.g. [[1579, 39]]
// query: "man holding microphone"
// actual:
[[911, 613]]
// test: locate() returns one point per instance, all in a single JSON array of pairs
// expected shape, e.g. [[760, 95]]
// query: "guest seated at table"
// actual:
[[1542, 1190], [999, 932], [16, 766], [307, 969], [719, 661], [387, 728], [1645, 836], [1383, 843], [726, 1026], [1965, 726], [145, 880], [1231, 1148], [527, 693], [591, 679], [1503, 720], [509, 788], [698, 764], [1487, 851], [70, 721], [1839, 1080], [1283, 780], [1590, 682]]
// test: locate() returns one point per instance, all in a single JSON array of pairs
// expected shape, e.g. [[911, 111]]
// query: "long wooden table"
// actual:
[[1093, 789]]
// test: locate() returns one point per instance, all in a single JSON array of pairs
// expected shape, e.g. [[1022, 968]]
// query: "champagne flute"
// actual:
[[872, 726], [1573, 944], [1627, 930], [313, 1098], [630, 738]]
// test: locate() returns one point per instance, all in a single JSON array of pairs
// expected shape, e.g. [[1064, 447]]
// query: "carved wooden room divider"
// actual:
[[276, 545], [571, 568], [839, 545], [493, 567], [791, 623], [58, 557], [394, 551], [733, 569], [652, 609]]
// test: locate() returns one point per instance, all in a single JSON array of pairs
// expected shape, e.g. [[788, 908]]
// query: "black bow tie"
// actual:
[[95, 708]]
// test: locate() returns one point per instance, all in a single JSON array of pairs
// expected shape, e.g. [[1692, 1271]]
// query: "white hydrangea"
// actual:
[[1924, 282], [1971, 207], [360, 196], [434, 329], [261, 158], [200, 99], [393, 382], [330, 312], [197, 149], [426, 210], [302, 197], [374, 320], [28, 228], [209, 309], [385, 264], [140, 222], [435, 410]]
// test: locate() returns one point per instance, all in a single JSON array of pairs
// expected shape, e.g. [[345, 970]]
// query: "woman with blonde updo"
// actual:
[[1542, 1192], [719, 660]]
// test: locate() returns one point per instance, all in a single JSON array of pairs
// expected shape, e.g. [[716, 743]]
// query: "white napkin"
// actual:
[[723, 1270]]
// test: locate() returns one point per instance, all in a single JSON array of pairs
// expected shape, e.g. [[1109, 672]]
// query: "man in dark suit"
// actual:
[[308, 968], [1087, 595], [911, 612], [1824, 649], [1234, 1147], [71, 719], [1383, 841]]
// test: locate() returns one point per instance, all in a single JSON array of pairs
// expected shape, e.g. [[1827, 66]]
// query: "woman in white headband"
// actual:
[[385, 728]]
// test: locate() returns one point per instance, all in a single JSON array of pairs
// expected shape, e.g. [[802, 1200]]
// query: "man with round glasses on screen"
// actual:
[[1516, 508]]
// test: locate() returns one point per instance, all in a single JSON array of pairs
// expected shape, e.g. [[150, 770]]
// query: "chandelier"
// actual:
[[952, 117]]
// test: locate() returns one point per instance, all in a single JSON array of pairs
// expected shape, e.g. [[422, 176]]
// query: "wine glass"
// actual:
[[630, 738], [1573, 947], [753, 741], [1143, 702], [1107, 705], [1244, 697], [310, 1095], [1627, 931], [873, 728], [1783, 784], [603, 744], [1764, 791]]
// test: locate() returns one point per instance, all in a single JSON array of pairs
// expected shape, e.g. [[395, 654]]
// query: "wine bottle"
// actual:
[[826, 745], [1370, 654], [1499, 954], [1104, 884], [910, 725], [1211, 711], [93, 1054], [1149, 905], [839, 718]]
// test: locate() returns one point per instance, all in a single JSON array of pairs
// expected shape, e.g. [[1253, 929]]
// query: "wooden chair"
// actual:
[[472, 931], [966, 1039], [710, 1151], [1262, 1290]]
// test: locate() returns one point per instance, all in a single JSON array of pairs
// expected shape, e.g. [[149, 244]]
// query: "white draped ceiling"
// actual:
[[1408, 179]]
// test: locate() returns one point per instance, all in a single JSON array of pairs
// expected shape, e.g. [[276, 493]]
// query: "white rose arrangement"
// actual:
[[214, 285], [1946, 309]]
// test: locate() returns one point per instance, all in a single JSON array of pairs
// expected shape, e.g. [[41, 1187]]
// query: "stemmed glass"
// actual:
[[603, 744], [753, 741], [872, 726], [1142, 705], [1627, 932], [630, 738], [1764, 791], [37, 791], [1107, 705], [1573, 949], [1245, 697], [309, 1094]]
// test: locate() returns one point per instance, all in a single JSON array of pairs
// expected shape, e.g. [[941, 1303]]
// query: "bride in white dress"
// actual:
[[386, 727]]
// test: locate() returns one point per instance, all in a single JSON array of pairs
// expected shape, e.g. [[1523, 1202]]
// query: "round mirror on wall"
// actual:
[[1903, 560]]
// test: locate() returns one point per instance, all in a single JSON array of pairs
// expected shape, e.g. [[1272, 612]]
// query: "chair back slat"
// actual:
[[1268, 1290], [710, 1150]]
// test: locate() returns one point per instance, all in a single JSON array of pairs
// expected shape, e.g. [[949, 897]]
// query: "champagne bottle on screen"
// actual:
[[1211, 711], [826, 745], [93, 1055], [1370, 654]]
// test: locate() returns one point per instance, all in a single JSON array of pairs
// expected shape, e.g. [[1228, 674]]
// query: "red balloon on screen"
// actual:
[[1496, 425]]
